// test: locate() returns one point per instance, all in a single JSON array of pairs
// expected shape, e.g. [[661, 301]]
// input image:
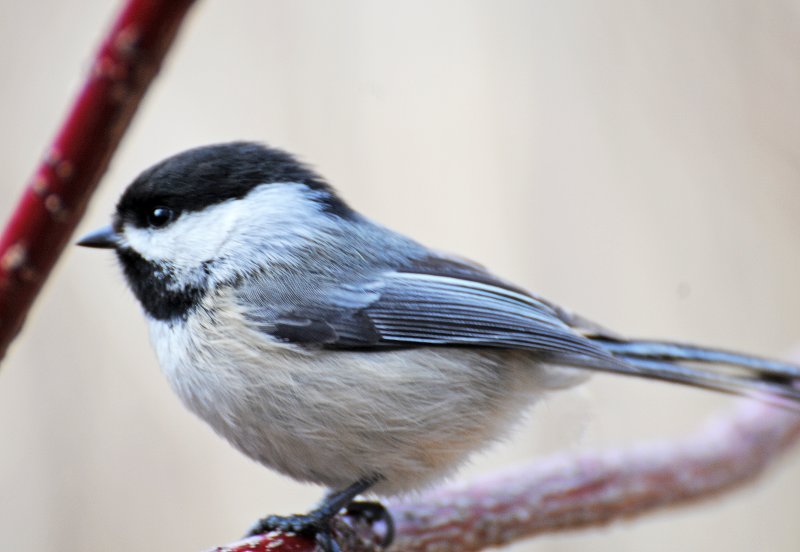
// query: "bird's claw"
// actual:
[[311, 526], [319, 526], [320, 523], [302, 525]]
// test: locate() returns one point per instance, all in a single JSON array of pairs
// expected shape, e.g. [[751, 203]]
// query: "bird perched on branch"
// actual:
[[338, 352]]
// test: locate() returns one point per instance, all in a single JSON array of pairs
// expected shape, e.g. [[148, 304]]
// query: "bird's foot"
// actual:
[[313, 525], [318, 524]]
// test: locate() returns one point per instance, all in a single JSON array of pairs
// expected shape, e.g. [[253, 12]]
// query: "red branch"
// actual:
[[573, 492], [56, 196]]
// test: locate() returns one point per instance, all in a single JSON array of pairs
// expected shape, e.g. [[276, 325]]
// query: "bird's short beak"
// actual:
[[102, 238]]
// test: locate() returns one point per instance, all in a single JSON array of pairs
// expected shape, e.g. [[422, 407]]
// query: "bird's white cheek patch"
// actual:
[[192, 239]]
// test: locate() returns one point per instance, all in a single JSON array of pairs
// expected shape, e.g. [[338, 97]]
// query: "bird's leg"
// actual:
[[317, 523]]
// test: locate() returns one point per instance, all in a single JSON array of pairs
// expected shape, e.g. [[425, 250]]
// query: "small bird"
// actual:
[[338, 352]]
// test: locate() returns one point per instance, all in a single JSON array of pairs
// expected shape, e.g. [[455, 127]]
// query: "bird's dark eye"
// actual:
[[160, 216]]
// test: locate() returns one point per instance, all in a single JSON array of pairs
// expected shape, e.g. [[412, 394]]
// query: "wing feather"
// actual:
[[434, 309], [443, 302]]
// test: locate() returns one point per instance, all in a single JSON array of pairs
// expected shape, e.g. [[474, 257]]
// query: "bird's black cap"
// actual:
[[204, 176]]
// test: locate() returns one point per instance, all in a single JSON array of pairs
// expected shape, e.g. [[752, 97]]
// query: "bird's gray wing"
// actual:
[[443, 302], [436, 302]]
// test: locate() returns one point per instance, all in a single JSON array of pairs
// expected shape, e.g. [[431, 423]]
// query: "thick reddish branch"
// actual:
[[57, 194], [591, 489]]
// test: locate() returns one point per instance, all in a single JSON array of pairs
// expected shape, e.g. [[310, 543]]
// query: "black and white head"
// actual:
[[213, 214]]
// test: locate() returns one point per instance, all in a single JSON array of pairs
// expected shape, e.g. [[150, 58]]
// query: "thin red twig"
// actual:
[[56, 196]]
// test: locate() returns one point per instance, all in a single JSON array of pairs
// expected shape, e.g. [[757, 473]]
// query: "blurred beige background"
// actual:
[[635, 161]]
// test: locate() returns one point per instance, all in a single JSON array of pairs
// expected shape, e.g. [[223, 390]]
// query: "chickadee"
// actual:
[[341, 353]]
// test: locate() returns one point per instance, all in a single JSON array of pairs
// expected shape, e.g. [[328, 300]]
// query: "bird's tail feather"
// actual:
[[767, 380]]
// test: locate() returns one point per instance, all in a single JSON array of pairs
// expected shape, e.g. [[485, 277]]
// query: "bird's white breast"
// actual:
[[333, 417]]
